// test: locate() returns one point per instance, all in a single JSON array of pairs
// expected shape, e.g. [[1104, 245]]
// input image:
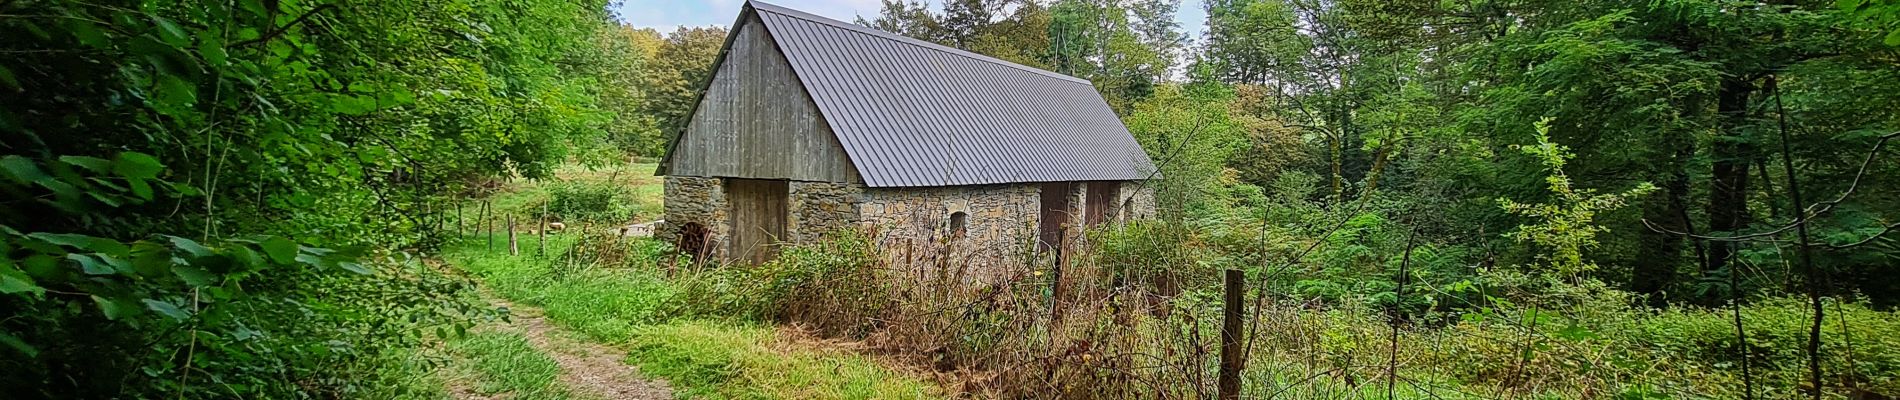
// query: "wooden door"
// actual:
[[1055, 213], [758, 217], [1100, 195]]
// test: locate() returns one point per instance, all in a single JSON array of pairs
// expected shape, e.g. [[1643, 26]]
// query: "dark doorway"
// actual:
[[758, 217], [693, 240], [1101, 194], [1055, 213]]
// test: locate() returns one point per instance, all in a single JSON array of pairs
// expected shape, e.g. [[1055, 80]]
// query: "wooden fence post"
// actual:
[[488, 224], [543, 251], [514, 249], [1230, 362]]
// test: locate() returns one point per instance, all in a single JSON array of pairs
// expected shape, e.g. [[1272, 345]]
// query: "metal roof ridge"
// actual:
[[789, 12]]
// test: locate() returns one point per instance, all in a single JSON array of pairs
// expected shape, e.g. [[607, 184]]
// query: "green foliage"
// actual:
[[725, 362], [1881, 14], [506, 363], [626, 56], [634, 306], [174, 173], [603, 301], [1152, 252], [585, 202], [832, 285], [681, 67], [1564, 229], [1864, 352], [1191, 135]]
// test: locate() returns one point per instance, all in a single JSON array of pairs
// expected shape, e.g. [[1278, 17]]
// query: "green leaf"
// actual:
[[311, 260], [246, 257], [194, 276], [174, 93], [151, 259], [92, 265], [137, 165], [213, 53], [170, 32], [112, 308], [87, 33], [63, 239], [21, 169], [140, 188], [1577, 333], [352, 105], [281, 250], [167, 308], [13, 281], [190, 246], [94, 164], [83, 242], [1893, 38], [17, 344], [255, 7], [354, 267], [6, 78]]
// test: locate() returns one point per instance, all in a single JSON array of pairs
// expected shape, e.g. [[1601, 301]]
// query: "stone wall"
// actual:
[[820, 208], [999, 222], [696, 200], [1134, 201]]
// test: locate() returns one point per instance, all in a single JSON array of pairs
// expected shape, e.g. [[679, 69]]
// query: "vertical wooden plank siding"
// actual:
[[757, 122], [759, 211], [1054, 213], [1100, 194]]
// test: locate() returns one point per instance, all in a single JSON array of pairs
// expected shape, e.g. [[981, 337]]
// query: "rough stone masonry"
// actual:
[[999, 222]]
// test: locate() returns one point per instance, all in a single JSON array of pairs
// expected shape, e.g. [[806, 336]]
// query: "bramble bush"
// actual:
[[220, 199]]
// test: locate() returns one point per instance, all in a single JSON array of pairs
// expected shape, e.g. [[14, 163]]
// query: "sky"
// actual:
[[665, 15]]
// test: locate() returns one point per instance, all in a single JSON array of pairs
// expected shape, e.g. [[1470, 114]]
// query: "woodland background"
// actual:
[[214, 199]]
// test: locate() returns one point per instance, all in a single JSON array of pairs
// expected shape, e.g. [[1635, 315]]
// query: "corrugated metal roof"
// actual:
[[914, 113]]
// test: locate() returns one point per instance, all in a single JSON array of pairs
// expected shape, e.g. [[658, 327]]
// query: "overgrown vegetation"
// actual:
[[1721, 160], [225, 199], [624, 303], [1481, 199]]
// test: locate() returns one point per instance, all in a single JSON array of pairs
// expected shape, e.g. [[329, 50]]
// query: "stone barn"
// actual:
[[810, 125]]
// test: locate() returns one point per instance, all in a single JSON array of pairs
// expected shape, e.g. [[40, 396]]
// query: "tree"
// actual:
[[1125, 47], [627, 53], [678, 74]]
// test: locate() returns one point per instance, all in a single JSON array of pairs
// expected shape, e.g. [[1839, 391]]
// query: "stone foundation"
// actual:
[[696, 200], [1135, 201], [915, 223], [999, 221], [820, 208]]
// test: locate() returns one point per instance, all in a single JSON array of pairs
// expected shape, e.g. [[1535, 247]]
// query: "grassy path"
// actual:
[[525, 347], [584, 329], [581, 330]]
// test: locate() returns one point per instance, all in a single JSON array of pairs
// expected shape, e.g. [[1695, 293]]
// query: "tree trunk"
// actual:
[[1661, 252], [1730, 156]]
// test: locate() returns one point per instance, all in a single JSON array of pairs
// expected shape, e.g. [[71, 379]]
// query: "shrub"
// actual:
[[1858, 345], [833, 285], [593, 202]]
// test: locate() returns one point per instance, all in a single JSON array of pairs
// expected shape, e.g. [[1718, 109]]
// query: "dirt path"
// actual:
[[589, 369]]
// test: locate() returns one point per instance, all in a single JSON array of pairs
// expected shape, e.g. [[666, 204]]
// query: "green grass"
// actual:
[[702, 359], [504, 362], [406, 374], [618, 305], [638, 198], [490, 363], [725, 361]]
